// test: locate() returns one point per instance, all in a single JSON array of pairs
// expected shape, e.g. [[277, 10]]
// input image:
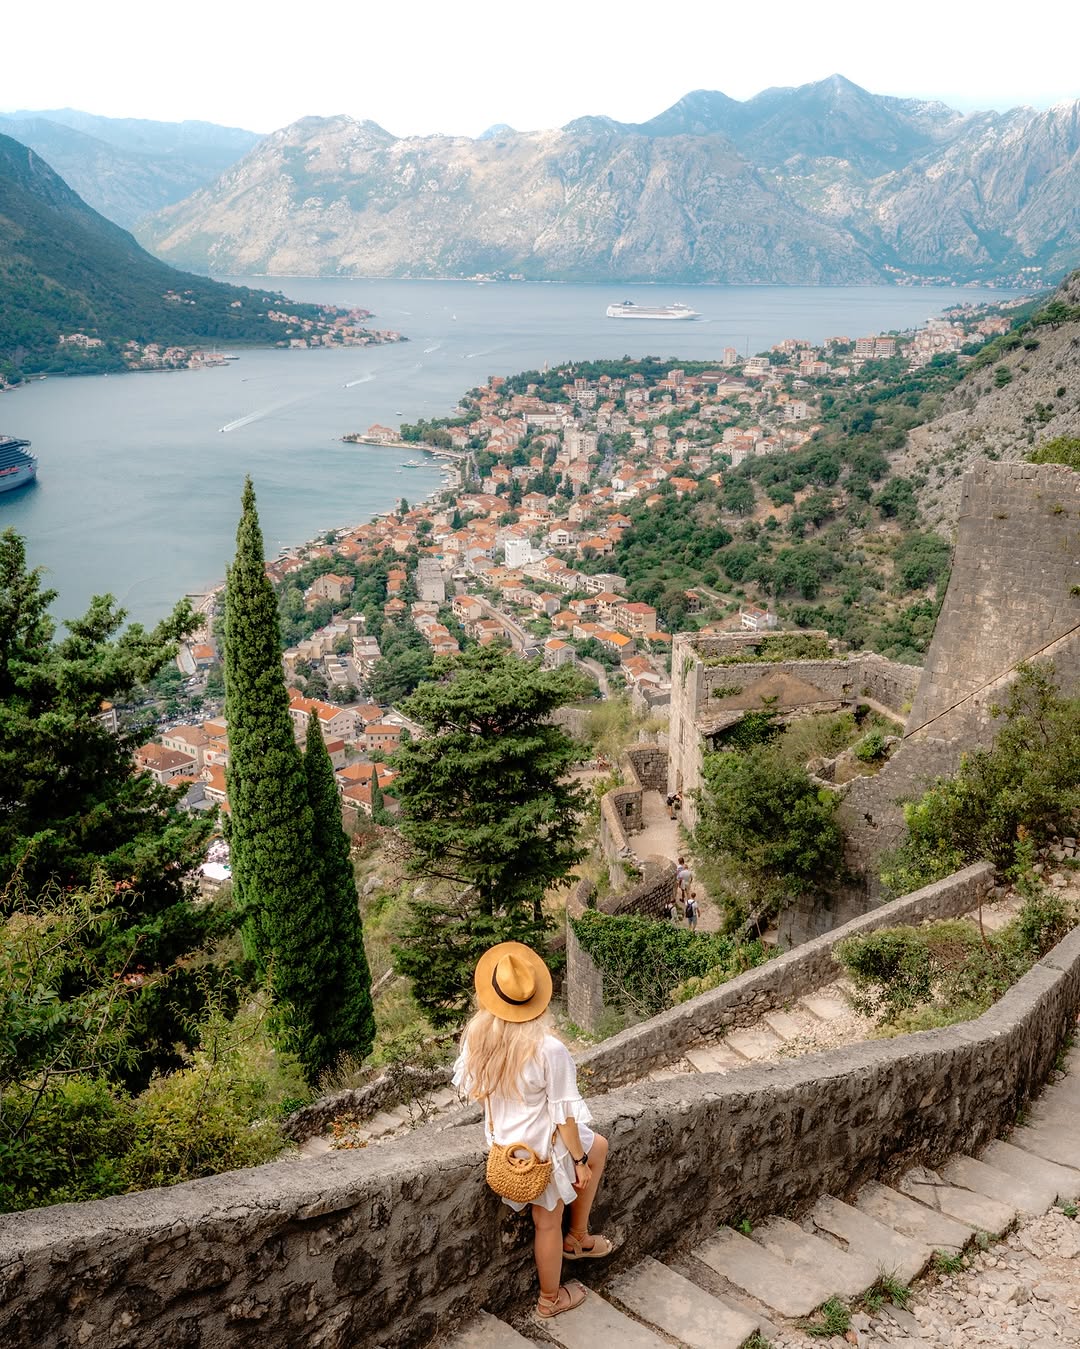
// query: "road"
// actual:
[[599, 673], [520, 638]]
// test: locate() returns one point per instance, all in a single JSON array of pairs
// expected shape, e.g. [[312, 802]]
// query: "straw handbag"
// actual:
[[515, 1172]]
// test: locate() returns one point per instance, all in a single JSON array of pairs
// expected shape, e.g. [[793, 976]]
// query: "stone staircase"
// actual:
[[820, 1020], [762, 1281]]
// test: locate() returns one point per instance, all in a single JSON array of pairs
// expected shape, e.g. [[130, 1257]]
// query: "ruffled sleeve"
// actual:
[[460, 1080], [560, 1084]]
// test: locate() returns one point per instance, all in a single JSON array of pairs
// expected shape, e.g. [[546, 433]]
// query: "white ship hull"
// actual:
[[664, 313]]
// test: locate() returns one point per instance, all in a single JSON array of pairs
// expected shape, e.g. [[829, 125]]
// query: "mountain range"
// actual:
[[126, 168], [821, 184], [64, 269]]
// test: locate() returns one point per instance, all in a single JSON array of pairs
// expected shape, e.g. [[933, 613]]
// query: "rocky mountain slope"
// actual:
[[825, 183], [126, 168], [1001, 410]]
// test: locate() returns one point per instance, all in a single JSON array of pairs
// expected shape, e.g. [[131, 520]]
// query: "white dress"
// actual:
[[549, 1096]]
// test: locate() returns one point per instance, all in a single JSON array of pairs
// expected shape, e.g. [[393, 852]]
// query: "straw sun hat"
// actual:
[[512, 982]]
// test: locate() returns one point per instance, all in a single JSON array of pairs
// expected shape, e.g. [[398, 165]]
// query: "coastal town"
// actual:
[[337, 329], [518, 547]]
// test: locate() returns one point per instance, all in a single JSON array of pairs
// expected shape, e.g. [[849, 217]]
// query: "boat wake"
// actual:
[[434, 347], [262, 412], [364, 379]]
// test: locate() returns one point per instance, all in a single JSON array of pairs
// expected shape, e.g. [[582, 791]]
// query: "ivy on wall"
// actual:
[[643, 959]]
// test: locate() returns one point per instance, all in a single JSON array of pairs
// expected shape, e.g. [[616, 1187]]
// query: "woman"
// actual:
[[526, 1080]]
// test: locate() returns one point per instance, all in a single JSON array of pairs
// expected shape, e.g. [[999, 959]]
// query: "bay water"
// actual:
[[140, 475]]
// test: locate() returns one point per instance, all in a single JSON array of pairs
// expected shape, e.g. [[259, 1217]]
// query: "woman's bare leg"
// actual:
[[547, 1247], [582, 1205]]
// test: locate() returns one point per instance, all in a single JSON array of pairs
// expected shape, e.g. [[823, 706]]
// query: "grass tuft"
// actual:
[[832, 1318], [944, 1263], [888, 1288]]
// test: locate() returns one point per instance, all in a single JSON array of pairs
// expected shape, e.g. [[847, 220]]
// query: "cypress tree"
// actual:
[[343, 1011], [377, 806], [273, 863]]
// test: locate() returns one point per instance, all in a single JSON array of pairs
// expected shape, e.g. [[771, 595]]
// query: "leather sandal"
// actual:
[[569, 1296], [600, 1247]]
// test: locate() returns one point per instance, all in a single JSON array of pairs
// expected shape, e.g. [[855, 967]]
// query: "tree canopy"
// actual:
[[73, 812], [487, 808]]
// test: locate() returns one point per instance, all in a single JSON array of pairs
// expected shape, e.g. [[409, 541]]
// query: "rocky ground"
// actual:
[[1020, 1293]]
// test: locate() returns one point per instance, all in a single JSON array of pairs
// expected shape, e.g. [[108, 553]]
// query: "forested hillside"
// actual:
[[831, 535], [64, 269]]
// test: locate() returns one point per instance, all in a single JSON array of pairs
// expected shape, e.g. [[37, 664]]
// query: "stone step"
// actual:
[[787, 1025], [666, 1074], [680, 1308], [597, 1323], [714, 1058], [1057, 1106], [890, 1251], [823, 1008], [1061, 1181], [974, 1210], [753, 1043], [912, 1219], [485, 1331], [386, 1121], [1055, 1142], [763, 1274], [847, 1273], [443, 1098], [316, 1146], [1023, 1195]]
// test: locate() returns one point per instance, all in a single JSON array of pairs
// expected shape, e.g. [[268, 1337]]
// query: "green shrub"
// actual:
[[871, 747], [1060, 450], [918, 978], [71, 1147], [214, 1116], [1028, 782], [643, 960]]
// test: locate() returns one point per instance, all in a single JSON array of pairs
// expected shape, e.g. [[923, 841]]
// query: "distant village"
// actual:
[[336, 330], [514, 550]]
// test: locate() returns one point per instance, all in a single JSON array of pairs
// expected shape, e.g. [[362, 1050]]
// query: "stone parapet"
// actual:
[[393, 1246], [633, 1053]]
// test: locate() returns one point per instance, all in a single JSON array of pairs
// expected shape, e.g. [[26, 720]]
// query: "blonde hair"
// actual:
[[497, 1051]]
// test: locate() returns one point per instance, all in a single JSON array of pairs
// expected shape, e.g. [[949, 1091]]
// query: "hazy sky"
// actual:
[[459, 67]]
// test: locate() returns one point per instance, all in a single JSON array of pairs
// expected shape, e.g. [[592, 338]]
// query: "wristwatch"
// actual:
[[583, 1160]]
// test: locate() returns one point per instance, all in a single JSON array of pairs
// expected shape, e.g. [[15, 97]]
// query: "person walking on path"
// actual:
[[691, 912], [684, 878], [511, 1061]]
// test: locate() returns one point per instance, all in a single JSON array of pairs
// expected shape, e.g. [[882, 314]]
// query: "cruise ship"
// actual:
[[17, 466], [629, 310]]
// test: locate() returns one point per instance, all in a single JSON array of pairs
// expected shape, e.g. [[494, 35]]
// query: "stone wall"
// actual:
[[390, 1246], [798, 686], [1009, 598], [649, 765], [770, 987]]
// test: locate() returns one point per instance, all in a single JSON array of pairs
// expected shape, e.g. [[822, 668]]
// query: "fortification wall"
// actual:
[[392, 1245], [797, 686], [1009, 598]]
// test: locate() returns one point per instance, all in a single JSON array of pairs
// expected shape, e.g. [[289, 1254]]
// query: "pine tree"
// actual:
[[72, 812], [486, 804], [342, 1010]]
